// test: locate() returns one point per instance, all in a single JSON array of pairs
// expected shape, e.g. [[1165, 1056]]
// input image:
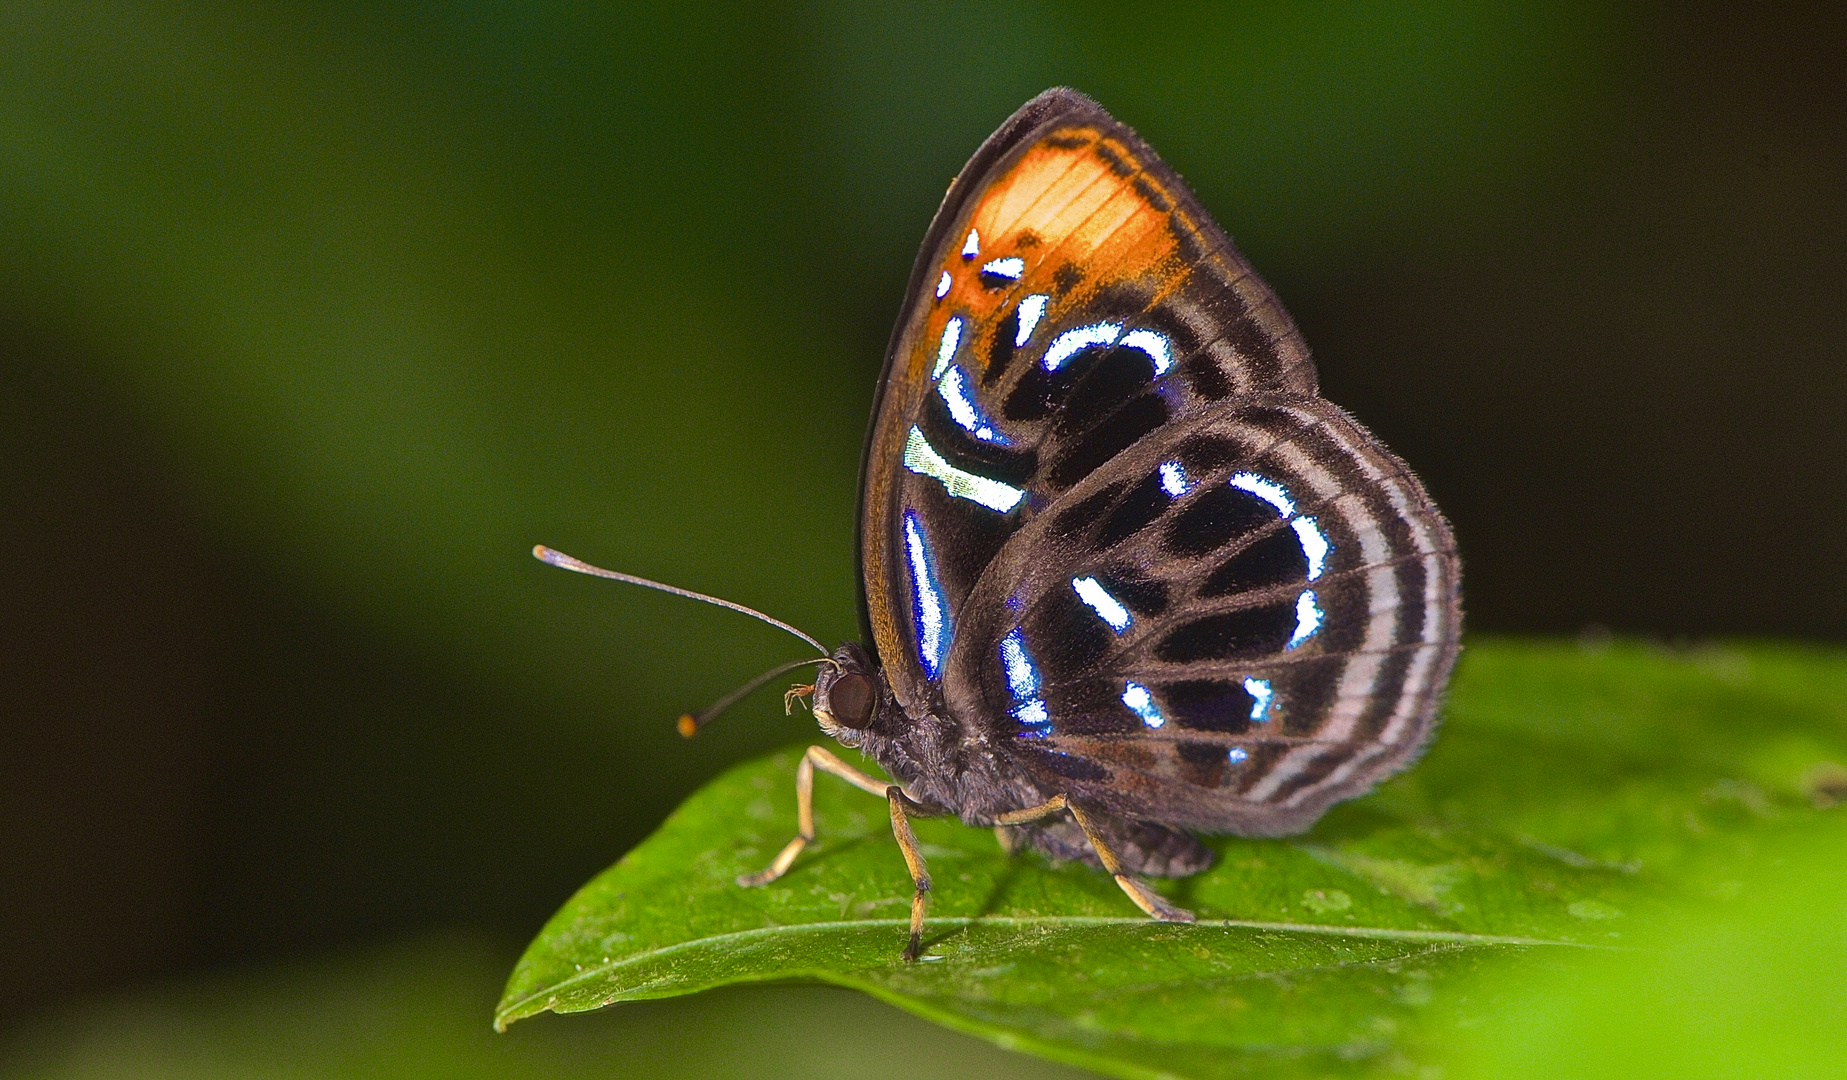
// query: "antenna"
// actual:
[[690, 723], [562, 561]]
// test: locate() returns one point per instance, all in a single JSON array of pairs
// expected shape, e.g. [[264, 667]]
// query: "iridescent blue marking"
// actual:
[[946, 348], [1141, 703], [1307, 618], [1101, 602], [921, 458], [972, 246], [942, 285], [1237, 755], [1150, 342], [1268, 490], [1033, 719], [1314, 544], [1022, 674], [963, 410], [1032, 309], [928, 611], [1173, 478], [1023, 682], [1154, 343], [1069, 343], [1010, 267], [1261, 696]]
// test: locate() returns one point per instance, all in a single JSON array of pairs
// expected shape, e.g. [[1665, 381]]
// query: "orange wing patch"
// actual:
[[1079, 212], [1077, 200]]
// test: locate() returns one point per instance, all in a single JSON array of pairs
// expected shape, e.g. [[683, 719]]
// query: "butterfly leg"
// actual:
[[804, 809], [1151, 902], [902, 806]]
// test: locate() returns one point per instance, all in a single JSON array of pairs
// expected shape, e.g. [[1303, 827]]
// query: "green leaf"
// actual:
[[1575, 795], [1752, 984]]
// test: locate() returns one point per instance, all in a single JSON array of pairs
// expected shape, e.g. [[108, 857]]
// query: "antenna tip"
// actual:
[[687, 726], [542, 553]]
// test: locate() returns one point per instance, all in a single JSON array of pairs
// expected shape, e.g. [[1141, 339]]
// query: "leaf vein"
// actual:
[[1449, 937]]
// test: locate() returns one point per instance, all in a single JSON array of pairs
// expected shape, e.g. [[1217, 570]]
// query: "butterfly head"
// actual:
[[850, 695]]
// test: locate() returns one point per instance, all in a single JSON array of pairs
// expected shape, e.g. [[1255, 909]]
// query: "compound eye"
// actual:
[[851, 700]]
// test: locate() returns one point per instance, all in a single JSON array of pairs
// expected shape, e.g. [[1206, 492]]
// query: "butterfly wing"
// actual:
[[1244, 618], [1070, 298], [1107, 524]]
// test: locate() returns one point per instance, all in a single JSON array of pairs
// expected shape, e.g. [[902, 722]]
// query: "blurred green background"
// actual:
[[313, 318]]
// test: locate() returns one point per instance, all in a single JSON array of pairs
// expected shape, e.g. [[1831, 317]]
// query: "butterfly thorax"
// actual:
[[955, 766], [936, 759]]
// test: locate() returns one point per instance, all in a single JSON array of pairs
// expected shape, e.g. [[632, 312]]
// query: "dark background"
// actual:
[[314, 318]]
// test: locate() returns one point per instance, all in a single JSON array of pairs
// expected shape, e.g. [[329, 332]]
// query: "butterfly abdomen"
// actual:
[[1144, 847]]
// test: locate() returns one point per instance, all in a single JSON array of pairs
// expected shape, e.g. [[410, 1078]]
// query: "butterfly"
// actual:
[[1127, 577]]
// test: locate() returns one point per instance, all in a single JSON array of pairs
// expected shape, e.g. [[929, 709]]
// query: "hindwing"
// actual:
[[1245, 617]]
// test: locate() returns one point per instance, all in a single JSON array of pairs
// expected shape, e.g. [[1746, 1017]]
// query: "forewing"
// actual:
[[1245, 617], [1070, 299]]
